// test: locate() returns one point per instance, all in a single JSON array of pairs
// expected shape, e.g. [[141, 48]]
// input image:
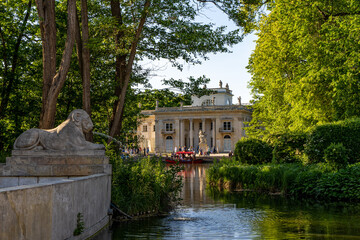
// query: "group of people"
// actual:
[[134, 151], [197, 150], [184, 148]]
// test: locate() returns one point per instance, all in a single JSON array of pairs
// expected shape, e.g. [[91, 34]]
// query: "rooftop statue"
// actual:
[[69, 135], [220, 84]]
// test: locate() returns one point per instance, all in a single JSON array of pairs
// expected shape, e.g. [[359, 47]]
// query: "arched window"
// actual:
[[169, 137], [227, 137]]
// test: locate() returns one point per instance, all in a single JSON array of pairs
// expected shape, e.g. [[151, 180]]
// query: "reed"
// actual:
[[318, 181]]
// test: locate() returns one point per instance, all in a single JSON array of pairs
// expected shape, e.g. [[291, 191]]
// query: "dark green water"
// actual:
[[246, 215]]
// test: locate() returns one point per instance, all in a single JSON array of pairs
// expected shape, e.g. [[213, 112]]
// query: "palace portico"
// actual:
[[220, 120]]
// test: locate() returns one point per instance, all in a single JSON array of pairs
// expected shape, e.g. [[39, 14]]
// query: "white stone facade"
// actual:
[[163, 129]]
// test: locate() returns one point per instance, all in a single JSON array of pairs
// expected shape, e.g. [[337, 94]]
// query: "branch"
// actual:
[[59, 79], [120, 105], [326, 15], [4, 46], [213, 2]]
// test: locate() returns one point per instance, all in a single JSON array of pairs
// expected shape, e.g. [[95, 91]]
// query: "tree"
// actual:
[[19, 86], [305, 68], [10, 49], [161, 29], [83, 54], [53, 80]]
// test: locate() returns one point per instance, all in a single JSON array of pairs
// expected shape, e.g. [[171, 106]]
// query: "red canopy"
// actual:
[[184, 152]]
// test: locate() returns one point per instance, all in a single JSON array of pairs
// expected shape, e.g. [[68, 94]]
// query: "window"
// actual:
[[168, 127], [200, 126], [211, 126], [206, 102], [227, 125], [144, 128], [154, 128]]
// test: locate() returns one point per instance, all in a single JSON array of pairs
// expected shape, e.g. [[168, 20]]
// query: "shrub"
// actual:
[[144, 184], [315, 181], [336, 155], [252, 151], [321, 137], [287, 147]]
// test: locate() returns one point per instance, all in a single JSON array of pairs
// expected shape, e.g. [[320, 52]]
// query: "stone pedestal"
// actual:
[[56, 163], [204, 147]]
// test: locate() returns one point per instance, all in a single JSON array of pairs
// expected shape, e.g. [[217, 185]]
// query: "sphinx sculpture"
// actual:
[[69, 135]]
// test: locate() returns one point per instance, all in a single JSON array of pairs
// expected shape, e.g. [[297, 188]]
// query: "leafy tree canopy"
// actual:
[[305, 68]]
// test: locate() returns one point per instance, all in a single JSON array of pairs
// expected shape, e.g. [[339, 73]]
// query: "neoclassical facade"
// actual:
[[222, 122]]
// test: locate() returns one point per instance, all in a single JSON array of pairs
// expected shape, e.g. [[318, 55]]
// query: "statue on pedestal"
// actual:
[[69, 135], [203, 142]]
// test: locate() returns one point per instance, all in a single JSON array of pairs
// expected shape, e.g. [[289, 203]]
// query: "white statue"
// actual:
[[239, 99], [202, 137], [69, 135]]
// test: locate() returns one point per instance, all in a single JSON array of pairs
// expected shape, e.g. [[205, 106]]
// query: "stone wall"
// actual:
[[47, 208]]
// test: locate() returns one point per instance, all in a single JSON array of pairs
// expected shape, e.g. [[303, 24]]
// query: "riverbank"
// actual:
[[316, 181], [143, 185]]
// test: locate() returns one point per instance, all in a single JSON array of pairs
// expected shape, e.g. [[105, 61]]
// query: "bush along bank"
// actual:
[[322, 164], [318, 181], [144, 186]]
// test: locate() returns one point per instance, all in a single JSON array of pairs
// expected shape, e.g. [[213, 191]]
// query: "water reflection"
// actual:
[[208, 214]]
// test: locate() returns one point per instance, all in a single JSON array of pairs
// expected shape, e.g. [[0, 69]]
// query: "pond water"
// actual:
[[244, 215]]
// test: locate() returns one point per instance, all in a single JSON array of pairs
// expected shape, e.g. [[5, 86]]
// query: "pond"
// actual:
[[243, 215]]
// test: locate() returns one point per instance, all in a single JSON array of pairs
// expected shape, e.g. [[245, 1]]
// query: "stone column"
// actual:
[[158, 127], [182, 132], [203, 125], [213, 132], [218, 142], [177, 133], [191, 133]]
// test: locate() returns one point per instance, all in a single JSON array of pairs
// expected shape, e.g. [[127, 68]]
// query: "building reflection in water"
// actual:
[[194, 185]]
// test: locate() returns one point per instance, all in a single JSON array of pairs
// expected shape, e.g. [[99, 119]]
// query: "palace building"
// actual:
[[220, 120]]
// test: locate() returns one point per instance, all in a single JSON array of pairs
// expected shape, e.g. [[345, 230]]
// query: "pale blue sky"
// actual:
[[228, 67]]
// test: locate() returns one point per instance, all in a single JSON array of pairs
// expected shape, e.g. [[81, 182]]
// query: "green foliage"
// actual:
[[312, 181], [252, 151], [287, 147], [305, 65], [169, 24], [144, 184], [321, 137], [165, 97], [336, 155], [79, 224], [3, 156]]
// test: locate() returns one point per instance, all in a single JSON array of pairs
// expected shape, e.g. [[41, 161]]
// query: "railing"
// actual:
[[164, 131], [226, 130]]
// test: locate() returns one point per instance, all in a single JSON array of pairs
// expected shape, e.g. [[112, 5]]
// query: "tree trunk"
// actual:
[[124, 79], [52, 81], [84, 59]]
